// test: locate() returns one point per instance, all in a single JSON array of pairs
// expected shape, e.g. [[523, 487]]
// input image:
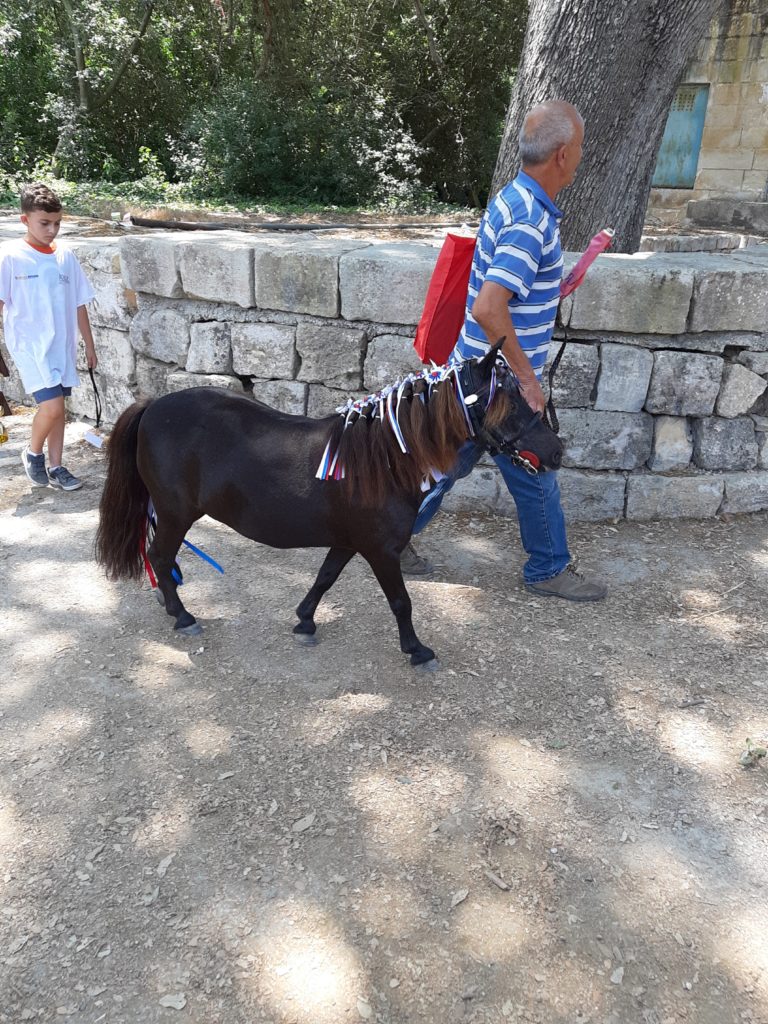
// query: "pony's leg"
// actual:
[[386, 568], [162, 554], [330, 570]]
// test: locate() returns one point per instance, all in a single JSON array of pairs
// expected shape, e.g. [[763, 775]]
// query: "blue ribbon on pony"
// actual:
[[201, 554], [152, 519]]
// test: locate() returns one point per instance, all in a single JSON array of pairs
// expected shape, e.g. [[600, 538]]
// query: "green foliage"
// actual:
[[251, 140], [341, 101]]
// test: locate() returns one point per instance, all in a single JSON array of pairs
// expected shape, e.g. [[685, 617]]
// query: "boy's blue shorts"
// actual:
[[57, 391]]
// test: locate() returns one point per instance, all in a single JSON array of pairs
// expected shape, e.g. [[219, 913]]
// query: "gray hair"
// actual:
[[547, 127]]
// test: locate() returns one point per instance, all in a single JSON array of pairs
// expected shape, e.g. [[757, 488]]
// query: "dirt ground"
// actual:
[[229, 829]]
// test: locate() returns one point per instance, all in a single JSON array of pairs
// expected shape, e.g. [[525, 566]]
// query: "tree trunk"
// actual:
[[619, 62]]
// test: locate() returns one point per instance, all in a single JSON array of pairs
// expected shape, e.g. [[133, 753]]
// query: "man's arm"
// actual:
[[491, 310], [84, 326]]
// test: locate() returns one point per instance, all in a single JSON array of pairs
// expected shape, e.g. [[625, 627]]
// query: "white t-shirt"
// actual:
[[41, 293]]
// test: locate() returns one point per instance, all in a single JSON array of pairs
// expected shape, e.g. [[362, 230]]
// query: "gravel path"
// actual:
[[229, 829]]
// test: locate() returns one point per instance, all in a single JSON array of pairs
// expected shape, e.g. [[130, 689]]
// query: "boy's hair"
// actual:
[[39, 197]]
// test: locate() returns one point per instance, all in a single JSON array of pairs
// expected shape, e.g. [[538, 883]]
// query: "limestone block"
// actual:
[[161, 333], [300, 278], [625, 372], [390, 357], [672, 444], [591, 497], [11, 386], [575, 377], [673, 497], [761, 437], [181, 380], [732, 299], [284, 395], [605, 440], [684, 383], [478, 492], [739, 390], [713, 341], [264, 350], [330, 355], [386, 283], [116, 355], [322, 401], [645, 293], [115, 395], [148, 264], [757, 362], [101, 255], [724, 444], [209, 348], [759, 412], [746, 492], [113, 305], [219, 269], [81, 403], [151, 377]]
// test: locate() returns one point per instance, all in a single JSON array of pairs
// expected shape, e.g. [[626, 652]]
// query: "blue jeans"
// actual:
[[539, 512]]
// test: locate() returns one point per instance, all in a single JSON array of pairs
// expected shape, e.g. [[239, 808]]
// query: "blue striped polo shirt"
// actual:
[[518, 247]]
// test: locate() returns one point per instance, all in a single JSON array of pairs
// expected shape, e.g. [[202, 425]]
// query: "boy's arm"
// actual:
[[84, 326]]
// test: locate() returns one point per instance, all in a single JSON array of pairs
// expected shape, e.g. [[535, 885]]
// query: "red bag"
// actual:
[[443, 315]]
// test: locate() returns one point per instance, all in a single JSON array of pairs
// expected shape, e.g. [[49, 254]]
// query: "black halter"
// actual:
[[477, 400]]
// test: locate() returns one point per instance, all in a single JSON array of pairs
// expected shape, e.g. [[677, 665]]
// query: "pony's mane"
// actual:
[[401, 434]]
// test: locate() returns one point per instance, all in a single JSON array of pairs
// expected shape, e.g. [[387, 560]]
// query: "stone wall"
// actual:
[[661, 392]]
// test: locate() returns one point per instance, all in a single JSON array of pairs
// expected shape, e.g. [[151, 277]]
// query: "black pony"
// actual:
[[352, 481]]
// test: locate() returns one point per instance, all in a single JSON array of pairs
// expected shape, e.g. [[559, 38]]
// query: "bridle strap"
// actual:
[[492, 441], [550, 416]]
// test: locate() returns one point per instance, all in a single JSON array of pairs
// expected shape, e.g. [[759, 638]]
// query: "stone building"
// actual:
[[713, 161]]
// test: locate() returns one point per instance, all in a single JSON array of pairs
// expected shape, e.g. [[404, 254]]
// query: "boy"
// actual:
[[43, 296]]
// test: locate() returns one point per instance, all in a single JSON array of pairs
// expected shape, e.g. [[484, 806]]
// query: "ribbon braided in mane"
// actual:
[[407, 432]]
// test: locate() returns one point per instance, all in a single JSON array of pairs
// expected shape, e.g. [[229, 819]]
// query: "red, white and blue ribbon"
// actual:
[[386, 405]]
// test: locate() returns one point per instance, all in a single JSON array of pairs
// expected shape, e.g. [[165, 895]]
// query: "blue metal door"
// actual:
[[678, 157]]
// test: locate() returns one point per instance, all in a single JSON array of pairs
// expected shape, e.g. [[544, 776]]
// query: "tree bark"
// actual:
[[105, 96], [434, 51], [619, 62], [77, 47]]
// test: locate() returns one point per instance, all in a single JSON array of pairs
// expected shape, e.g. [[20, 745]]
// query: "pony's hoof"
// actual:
[[160, 596], [193, 629], [431, 666], [306, 639]]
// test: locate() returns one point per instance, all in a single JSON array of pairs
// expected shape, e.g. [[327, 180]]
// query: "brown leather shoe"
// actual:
[[412, 564], [571, 586]]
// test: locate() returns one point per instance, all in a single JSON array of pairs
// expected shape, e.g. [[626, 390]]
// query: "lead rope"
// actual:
[[96, 398], [550, 416]]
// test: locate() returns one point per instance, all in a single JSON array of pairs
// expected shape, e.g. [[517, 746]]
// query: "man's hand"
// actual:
[[91, 357], [532, 393]]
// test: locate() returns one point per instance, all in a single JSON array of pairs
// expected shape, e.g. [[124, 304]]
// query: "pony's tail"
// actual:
[[123, 508]]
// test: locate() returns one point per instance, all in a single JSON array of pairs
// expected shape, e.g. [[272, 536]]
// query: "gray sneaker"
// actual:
[[571, 586], [34, 467], [62, 478], [412, 564]]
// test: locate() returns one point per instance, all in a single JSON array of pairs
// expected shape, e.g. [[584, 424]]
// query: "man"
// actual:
[[514, 291]]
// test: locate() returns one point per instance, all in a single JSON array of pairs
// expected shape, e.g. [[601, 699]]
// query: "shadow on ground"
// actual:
[[231, 828]]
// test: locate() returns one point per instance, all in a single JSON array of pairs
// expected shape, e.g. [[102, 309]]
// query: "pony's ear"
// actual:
[[489, 359]]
